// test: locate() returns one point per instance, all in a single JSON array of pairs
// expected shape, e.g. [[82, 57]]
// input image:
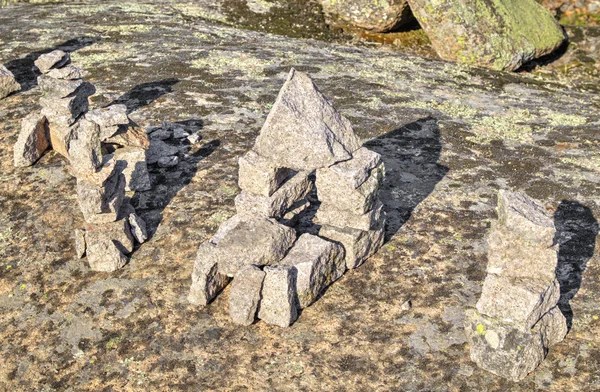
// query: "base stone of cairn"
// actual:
[[8, 83], [304, 143], [517, 318], [92, 142]]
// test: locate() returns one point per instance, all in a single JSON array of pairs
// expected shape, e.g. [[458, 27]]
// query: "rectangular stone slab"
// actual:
[[358, 244], [279, 304], [33, 140], [259, 175], [355, 171], [318, 263], [245, 294], [207, 280], [332, 216]]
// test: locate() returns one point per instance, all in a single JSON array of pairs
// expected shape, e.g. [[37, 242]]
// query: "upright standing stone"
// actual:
[[8, 83], [34, 139], [207, 280], [303, 131], [279, 305], [245, 294], [499, 34], [358, 244]]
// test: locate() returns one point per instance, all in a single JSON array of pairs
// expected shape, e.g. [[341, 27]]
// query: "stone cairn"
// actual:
[[517, 318], [106, 152], [276, 272]]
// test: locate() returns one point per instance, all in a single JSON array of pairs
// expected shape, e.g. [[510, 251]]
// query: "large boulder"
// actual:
[[499, 34], [375, 15]]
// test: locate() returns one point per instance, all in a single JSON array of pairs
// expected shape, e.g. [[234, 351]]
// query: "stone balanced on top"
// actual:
[[517, 317], [106, 152], [274, 272]]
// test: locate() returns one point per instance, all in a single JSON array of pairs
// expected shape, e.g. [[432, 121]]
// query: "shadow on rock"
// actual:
[[145, 93], [411, 155], [172, 159], [576, 231], [23, 70]]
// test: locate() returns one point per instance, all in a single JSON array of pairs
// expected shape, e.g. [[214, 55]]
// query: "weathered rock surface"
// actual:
[[303, 131], [207, 280], [54, 59], [100, 195], [34, 139], [129, 135], [318, 263], [292, 191], [67, 72], [136, 173], [65, 111], [279, 305], [85, 151], [245, 295], [328, 215], [499, 34], [8, 83], [358, 169], [259, 175], [359, 245], [107, 244], [138, 228], [80, 243], [109, 116], [57, 88], [253, 241], [61, 136], [375, 15]]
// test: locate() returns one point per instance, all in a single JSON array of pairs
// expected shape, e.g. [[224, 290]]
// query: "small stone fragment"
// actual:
[[180, 133], [304, 131], [80, 243], [193, 138], [138, 228], [136, 173], [54, 59], [244, 296], [109, 116], [8, 83], [104, 256], [68, 72], [318, 263], [252, 241], [279, 304], [358, 244], [341, 194], [328, 215], [259, 175], [207, 280], [168, 161], [293, 190], [33, 140]]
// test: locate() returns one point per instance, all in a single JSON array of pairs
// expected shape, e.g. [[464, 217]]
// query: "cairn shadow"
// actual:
[[576, 231], [145, 93], [168, 178], [23, 68], [411, 156]]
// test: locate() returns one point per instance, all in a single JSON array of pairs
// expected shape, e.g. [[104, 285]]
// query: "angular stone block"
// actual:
[[259, 175], [100, 195], [279, 305], [58, 88], [378, 16], [67, 72], [207, 280], [138, 228], [136, 173], [343, 196], [252, 241], [55, 59], [33, 140], [331, 216], [61, 135], [85, 151], [318, 263], [64, 111], [109, 116], [358, 244], [114, 239], [303, 131], [244, 296], [357, 170], [507, 350], [8, 83], [293, 190], [130, 135]]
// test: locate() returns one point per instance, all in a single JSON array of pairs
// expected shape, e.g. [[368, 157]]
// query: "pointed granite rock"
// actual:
[[304, 131], [34, 139], [55, 59]]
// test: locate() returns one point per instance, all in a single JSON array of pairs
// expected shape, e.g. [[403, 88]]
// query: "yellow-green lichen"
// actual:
[[480, 328]]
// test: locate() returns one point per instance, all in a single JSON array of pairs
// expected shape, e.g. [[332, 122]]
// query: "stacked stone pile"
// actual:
[[106, 152], [8, 83], [275, 273], [517, 317]]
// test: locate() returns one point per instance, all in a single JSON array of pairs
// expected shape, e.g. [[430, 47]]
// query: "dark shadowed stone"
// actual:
[[304, 131], [136, 172]]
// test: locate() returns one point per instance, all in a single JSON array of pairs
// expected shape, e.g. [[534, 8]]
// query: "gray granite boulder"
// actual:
[[33, 140], [207, 280], [55, 59], [107, 244], [318, 263], [304, 131], [279, 304], [359, 245], [8, 83], [245, 294], [332, 216]]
